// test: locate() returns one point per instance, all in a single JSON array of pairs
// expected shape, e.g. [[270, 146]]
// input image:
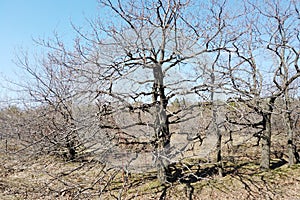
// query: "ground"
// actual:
[[24, 175], [48, 177]]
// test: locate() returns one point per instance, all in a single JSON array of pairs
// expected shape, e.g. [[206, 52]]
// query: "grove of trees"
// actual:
[[144, 72]]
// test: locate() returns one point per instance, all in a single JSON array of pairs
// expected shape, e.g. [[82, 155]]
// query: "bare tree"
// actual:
[[135, 63], [270, 32], [284, 45], [50, 89]]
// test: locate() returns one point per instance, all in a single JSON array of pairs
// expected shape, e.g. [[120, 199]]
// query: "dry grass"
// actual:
[[48, 177]]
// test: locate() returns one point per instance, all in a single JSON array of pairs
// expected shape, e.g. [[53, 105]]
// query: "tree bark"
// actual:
[[163, 144], [162, 132], [290, 141], [217, 131], [215, 119], [266, 135], [290, 132], [219, 155], [266, 143]]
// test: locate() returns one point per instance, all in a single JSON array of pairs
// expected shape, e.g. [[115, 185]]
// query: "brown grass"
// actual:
[[48, 177]]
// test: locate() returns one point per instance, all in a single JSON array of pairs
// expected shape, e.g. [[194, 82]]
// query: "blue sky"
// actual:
[[22, 20]]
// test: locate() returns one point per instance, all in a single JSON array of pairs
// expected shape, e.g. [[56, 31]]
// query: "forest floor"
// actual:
[[49, 177]]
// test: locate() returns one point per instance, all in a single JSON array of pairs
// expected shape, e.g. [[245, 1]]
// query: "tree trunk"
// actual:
[[163, 146], [290, 141], [217, 131], [266, 135], [162, 132], [266, 143], [219, 155], [290, 137], [216, 122], [292, 149]]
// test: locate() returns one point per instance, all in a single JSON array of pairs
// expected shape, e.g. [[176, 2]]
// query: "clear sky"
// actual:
[[22, 20]]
